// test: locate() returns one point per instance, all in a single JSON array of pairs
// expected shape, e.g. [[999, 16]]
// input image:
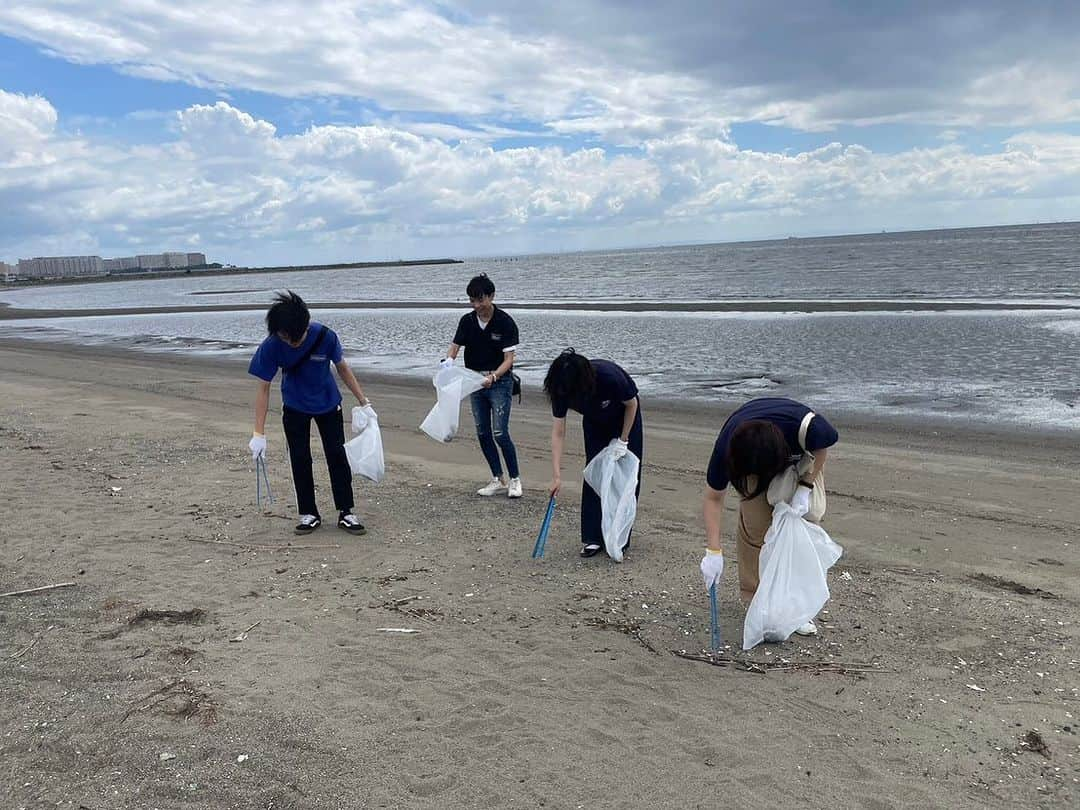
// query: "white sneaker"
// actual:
[[514, 490], [307, 524], [808, 629], [496, 486]]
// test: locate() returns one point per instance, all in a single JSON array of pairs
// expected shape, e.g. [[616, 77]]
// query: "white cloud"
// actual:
[[230, 182], [1046, 146], [618, 72], [816, 66], [26, 122], [404, 56]]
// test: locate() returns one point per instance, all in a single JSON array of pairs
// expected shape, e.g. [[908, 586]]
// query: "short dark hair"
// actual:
[[570, 378], [480, 286], [757, 452], [288, 315]]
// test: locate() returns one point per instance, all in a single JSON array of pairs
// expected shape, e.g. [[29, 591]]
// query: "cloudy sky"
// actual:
[[266, 131]]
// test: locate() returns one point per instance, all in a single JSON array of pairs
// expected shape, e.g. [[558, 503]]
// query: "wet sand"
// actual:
[[530, 683]]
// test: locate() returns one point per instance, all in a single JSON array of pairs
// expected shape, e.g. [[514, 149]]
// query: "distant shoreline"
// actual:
[[222, 271], [10, 313]]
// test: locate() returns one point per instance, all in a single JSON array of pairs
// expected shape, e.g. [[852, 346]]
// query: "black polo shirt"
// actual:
[[484, 347]]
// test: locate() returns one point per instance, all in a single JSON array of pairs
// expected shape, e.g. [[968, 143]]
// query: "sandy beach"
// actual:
[[207, 658]]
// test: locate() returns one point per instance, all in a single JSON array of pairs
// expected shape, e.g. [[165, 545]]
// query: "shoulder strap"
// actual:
[[308, 353], [803, 428]]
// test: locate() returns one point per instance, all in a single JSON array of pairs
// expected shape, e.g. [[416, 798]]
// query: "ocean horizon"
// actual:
[[981, 324]]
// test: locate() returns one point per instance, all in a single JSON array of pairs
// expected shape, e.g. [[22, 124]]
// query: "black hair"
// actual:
[[288, 315], [757, 452], [570, 378], [480, 286]]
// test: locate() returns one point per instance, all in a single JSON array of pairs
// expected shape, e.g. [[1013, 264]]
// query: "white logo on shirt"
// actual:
[[605, 403]]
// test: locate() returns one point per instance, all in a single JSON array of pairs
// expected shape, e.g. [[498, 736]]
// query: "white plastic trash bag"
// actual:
[[452, 385], [782, 487], [615, 480], [792, 589], [365, 452]]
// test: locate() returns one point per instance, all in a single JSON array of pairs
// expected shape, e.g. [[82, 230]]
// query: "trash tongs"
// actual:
[[261, 478]]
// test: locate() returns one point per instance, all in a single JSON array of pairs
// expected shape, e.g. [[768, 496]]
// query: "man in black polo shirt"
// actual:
[[490, 338]]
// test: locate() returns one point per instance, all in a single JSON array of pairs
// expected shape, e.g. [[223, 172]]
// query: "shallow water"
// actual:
[[1012, 367]]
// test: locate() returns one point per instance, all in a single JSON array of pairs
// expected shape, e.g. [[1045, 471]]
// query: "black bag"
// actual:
[[307, 355], [516, 390]]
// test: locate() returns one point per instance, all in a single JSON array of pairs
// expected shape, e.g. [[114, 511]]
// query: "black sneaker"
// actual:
[[351, 523], [307, 524]]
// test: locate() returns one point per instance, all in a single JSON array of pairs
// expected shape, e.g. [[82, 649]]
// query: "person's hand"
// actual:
[[257, 446], [555, 486], [619, 449], [712, 567], [800, 501], [489, 380], [446, 362]]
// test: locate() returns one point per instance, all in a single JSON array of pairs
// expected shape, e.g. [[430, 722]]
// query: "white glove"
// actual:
[[712, 567], [446, 362], [800, 501], [257, 446], [619, 449]]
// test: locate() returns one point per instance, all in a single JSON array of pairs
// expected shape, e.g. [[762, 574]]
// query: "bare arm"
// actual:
[[629, 415], [452, 352], [713, 511], [262, 404], [349, 379], [819, 462], [558, 438], [504, 366]]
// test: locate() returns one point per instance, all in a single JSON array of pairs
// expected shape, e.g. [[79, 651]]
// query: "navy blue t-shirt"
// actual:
[[605, 407], [310, 388], [786, 414]]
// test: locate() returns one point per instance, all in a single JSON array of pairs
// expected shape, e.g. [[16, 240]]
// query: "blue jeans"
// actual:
[[491, 412]]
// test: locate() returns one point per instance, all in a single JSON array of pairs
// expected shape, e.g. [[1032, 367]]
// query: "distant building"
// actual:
[[123, 264], [150, 261], [75, 266], [61, 267]]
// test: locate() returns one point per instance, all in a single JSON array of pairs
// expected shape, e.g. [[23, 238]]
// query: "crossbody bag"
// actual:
[[307, 355], [805, 465]]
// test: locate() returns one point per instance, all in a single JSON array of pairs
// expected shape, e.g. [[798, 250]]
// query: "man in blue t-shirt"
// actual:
[[759, 441], [304, 350]]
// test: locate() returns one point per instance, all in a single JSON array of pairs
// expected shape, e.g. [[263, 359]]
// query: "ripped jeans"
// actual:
[[491, 412]]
